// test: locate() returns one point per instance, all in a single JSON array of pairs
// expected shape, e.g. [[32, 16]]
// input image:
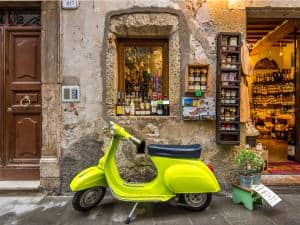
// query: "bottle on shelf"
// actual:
[[119, 105]]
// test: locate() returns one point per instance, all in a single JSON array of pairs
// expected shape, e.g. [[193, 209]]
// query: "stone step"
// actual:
[[19, 186]]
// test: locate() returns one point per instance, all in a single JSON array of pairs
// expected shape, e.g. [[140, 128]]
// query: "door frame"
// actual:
[[284, 13], [2, 97]]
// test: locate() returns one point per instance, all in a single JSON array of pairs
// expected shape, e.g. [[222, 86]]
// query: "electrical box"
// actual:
[[70, 93]]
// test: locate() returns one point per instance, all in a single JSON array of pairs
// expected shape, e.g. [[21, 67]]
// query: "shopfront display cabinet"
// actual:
[[228, 89]]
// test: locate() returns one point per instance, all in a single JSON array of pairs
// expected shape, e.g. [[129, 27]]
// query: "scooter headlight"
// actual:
[[111, 128], [112, 131]]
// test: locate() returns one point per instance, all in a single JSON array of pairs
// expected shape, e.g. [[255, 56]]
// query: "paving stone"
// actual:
[[37, 210]]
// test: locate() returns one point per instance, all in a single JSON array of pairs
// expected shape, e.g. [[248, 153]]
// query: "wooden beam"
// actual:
[[272, 12], [274, 36], [259, 31], [260, 26]]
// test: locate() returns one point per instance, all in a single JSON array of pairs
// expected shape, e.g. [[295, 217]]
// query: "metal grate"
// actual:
[[24, 17]]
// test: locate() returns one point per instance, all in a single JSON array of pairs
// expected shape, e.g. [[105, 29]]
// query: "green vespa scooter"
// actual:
[[180, 175]]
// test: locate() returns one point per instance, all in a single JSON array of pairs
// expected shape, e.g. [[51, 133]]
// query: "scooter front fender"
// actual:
[[88, 178], [191, 178]]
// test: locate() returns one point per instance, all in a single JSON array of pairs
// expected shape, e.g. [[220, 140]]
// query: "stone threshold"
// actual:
[[280, 180], [20, 185]]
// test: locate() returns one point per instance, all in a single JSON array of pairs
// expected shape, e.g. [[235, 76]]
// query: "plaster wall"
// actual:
[[83, 40]]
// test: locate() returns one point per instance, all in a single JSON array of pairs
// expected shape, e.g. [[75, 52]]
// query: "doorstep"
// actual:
[[282, 183], [20, 185], [280, 179]]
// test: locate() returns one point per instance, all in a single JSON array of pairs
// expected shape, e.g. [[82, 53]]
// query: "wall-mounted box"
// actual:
[[196, 78], [70, 93]]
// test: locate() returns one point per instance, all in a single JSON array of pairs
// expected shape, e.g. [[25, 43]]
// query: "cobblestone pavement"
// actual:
[[47, 210]]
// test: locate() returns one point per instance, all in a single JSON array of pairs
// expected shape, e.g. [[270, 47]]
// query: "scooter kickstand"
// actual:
[[129, 218]]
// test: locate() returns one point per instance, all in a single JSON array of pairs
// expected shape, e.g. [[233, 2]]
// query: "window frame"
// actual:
[[144, 42]]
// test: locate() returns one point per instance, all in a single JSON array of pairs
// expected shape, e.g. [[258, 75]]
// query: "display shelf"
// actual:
[[273, 82], [196, 76], [228, 89]]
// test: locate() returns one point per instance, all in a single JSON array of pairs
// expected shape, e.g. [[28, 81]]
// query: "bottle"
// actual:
[[119, 105], [132, 108], [147, 108], [137, 107], [153, 107], [159, 108], [166, 107]]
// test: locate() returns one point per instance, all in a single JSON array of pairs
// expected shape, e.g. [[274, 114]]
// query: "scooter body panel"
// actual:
[[88, 178], [191, 177]]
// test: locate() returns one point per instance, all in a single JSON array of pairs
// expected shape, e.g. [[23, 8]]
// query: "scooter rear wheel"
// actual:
[[196, 202], [87, 199]]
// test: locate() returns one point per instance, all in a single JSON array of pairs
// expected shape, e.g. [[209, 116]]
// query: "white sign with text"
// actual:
[[70, 4], [267, 194]]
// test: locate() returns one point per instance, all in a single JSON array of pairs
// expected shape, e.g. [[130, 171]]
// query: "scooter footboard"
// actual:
[[186, 178], [88, 178]]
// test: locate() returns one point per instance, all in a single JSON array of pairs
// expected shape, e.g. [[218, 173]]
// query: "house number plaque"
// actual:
[[70, 4]]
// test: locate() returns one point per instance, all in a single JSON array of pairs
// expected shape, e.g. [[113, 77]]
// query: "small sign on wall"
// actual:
[[70, 93], [70, 4]]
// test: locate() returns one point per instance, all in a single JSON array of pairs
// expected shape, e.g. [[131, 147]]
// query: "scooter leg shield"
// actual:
[[88, 178]]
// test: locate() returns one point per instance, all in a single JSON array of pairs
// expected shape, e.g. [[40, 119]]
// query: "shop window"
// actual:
[[143, 87]]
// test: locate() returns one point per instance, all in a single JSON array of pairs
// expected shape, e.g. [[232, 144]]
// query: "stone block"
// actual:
[[49, 167]]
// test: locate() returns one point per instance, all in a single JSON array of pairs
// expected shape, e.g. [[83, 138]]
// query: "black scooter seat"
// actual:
[[175, 151]]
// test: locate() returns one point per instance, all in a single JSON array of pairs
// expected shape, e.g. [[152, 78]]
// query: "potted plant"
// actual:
[[250, 164]]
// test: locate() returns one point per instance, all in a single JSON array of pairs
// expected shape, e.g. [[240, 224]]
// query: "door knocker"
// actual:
[[25, 101]]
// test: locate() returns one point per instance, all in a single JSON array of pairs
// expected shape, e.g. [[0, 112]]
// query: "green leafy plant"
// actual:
[[249, 162]]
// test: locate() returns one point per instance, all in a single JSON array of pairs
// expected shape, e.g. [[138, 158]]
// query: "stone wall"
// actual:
[[88, 59]]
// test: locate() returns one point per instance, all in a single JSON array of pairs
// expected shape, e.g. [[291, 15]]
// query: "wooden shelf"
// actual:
[[231, 47], [199, 75]]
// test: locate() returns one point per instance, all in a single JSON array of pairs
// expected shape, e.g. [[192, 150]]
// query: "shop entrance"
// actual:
[[274, 89], [20, 96]]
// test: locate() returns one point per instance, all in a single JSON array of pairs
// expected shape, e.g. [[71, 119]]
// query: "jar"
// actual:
[[203, 78], [191, 85], [233, 41], [224, 40], [233, 59], [191, 78], [223, 58], [191, 72], [204, 71], [228, 59], [227, 96], [197, 86], [197, 77]]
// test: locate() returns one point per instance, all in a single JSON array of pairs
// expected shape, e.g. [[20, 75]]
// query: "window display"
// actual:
[[143, 78]]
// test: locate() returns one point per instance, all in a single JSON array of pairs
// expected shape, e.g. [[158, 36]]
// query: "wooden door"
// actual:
[[22, 103]]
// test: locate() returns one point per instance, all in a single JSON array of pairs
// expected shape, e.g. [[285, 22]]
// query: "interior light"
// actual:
[[280, 50]]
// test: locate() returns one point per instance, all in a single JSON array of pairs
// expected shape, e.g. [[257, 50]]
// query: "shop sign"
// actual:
[[267, 194], [70, 4]]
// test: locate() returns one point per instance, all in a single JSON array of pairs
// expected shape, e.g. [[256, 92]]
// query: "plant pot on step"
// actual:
[[246, 181], [257, 178]]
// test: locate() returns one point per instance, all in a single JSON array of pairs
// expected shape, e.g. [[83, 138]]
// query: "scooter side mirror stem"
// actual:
[[135, 140]]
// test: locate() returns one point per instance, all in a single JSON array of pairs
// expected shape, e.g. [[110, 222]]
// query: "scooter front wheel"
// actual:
[[197, 201], [87, 199]]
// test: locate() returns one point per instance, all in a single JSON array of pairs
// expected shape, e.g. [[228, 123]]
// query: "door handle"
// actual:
[[25, 101]]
